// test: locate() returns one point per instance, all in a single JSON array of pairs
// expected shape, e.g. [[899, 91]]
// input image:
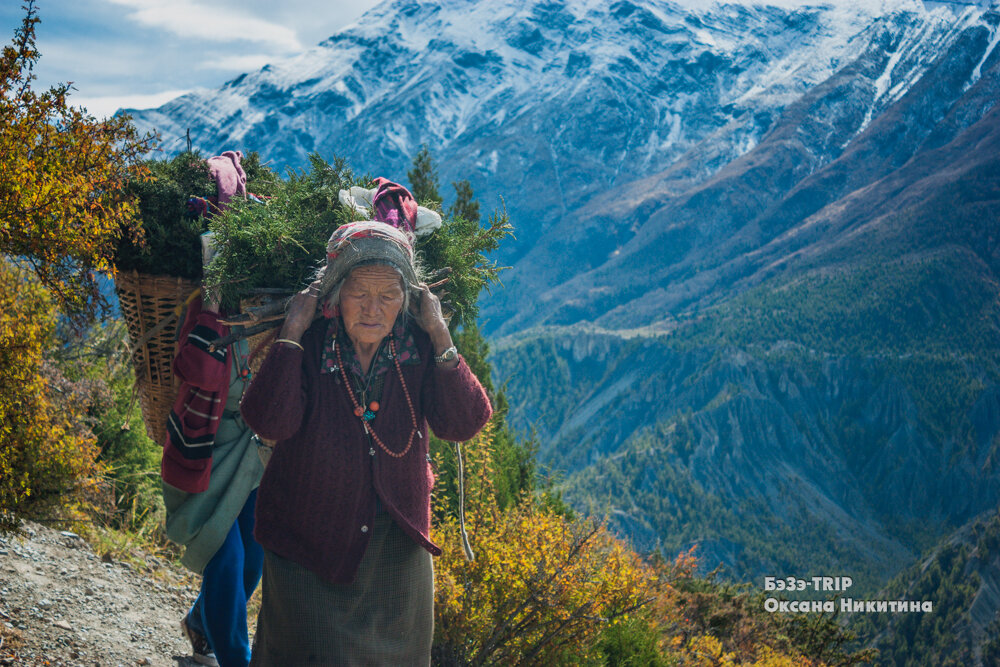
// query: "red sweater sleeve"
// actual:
[[274, 403], [194, 364], [454, 402]]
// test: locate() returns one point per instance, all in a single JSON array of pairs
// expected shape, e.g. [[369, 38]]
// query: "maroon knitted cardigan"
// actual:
[[316, 503]]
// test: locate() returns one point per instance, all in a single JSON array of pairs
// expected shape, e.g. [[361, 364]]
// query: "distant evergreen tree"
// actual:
[[424, 179], [465, 207], [514, 474]]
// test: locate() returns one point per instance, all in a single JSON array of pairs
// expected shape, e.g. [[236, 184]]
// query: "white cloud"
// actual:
[[104, 106], [215, 23], [247, 63]]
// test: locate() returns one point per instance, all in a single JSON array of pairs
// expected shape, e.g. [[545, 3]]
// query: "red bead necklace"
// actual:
[[367, 415]]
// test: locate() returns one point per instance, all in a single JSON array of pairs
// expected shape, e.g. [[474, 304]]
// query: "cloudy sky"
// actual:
[[141, 53]]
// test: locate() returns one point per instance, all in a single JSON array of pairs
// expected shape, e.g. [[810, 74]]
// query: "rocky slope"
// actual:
[[60, 604], [961, 577]]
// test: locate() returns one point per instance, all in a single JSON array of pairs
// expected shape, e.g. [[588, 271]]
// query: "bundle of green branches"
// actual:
[[281, 243], [461, 246], [169, 244]]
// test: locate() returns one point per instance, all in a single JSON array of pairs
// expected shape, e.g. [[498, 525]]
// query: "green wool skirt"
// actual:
[[385, 617]]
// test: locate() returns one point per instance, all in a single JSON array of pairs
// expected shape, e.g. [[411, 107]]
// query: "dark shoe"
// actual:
[[202, 653]]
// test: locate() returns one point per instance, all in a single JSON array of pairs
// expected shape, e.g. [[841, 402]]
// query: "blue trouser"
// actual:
[[229, 579]]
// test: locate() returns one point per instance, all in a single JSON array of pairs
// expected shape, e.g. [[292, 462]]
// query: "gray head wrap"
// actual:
[[367, 242]]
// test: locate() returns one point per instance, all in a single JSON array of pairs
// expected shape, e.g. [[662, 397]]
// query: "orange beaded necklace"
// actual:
[[366, 415]]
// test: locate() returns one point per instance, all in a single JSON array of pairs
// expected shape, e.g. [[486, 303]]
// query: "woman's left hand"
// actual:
[[431, 319]]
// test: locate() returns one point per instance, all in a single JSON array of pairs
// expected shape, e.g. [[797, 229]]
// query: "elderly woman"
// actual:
[[343, 511]]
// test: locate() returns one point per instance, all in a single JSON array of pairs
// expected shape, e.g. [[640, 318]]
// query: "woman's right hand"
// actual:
[[301, 312]]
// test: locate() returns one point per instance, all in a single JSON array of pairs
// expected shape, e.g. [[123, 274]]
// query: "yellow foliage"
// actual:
[[544, 589], [62, 178], [770, 658], [46, 448], [540, 585], [713, 629], [708, 651]]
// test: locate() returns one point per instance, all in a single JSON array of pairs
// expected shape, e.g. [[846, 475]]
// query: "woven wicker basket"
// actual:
[[146, 300]]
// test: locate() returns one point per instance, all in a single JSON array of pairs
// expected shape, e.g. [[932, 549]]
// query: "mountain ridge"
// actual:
[[753, 190], [494, 112]]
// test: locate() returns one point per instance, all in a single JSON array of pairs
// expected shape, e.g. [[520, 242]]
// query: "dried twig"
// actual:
[[240, 332]]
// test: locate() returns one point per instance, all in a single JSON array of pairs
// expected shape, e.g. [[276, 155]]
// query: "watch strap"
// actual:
[[447, 355]]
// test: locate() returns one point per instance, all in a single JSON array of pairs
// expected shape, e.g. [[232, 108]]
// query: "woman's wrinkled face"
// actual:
[[370, 300]]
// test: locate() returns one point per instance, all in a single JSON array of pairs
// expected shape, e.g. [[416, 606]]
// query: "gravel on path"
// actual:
[[62, 605]]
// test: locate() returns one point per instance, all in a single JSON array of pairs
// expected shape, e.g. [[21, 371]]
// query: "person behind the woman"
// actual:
[[343, 511], [210, 471]]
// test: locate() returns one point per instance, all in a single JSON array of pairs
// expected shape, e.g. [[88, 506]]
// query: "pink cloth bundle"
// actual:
[[394, 205], [229, 176]]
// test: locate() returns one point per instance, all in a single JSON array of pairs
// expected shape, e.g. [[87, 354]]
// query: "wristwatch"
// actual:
[[447, 355]]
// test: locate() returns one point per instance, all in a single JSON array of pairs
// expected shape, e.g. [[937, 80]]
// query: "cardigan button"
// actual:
[[364, 529], [371, 452]]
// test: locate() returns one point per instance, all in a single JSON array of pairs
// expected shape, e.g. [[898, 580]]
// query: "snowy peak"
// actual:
[[569, 100], [520, 49]]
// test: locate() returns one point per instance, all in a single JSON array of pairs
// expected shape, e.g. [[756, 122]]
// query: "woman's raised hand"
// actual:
[[301, 311], [431, 319]]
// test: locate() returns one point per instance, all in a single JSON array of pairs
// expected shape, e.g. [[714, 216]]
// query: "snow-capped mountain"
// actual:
[[547, 103], [660, 245]]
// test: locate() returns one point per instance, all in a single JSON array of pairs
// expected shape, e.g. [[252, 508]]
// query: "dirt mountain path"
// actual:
[[61, 605]]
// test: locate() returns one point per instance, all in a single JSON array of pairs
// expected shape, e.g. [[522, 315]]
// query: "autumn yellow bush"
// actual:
[[63, 207], [545, 588], [63, 200], [541, 587], [47, 451]]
